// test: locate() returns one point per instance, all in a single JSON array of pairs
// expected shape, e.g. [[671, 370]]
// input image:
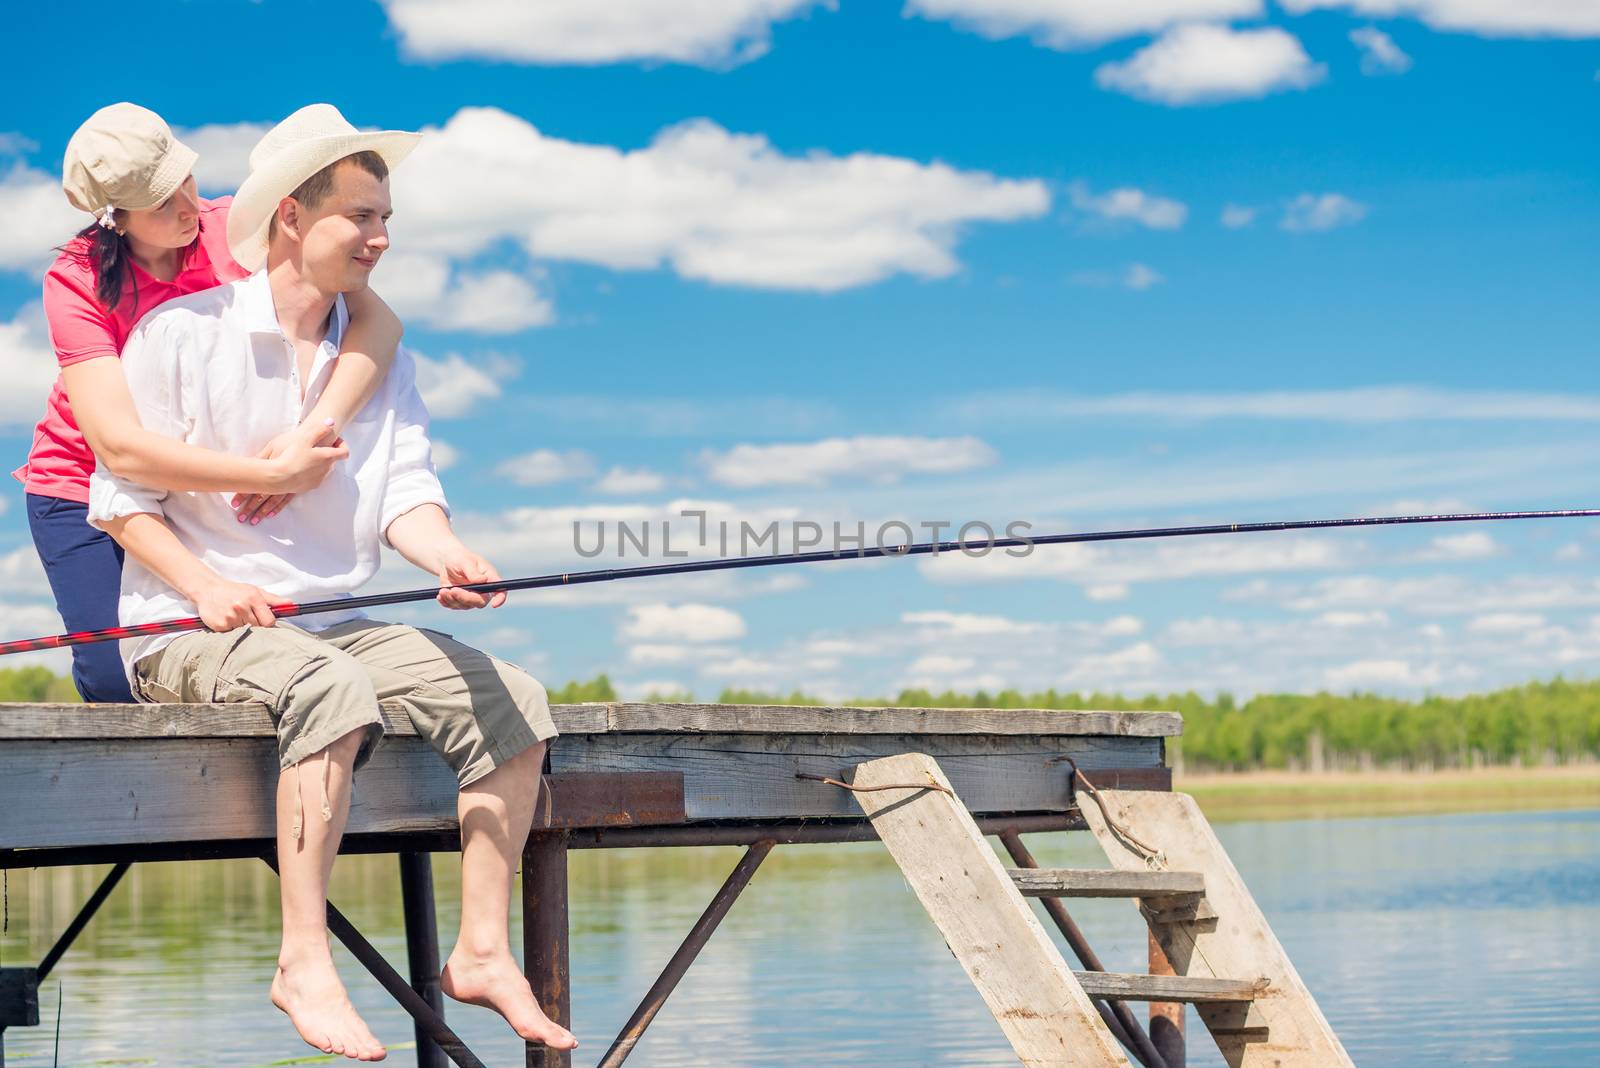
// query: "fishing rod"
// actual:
[[578, 578]]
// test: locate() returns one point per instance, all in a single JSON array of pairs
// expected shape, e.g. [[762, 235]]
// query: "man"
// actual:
[[229, 368]]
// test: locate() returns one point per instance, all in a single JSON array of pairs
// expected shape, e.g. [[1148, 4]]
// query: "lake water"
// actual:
[[1428, 941]]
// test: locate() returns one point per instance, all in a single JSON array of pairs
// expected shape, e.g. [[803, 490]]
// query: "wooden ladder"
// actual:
[[1228, 962]]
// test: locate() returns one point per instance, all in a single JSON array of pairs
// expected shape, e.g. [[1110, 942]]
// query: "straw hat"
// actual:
[[291, 152], [123, 156]]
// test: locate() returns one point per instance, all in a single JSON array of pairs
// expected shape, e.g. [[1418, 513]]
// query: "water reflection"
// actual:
[[1430, 941]]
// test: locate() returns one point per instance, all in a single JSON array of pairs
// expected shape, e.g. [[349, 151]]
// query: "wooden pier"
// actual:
[[130, 784]]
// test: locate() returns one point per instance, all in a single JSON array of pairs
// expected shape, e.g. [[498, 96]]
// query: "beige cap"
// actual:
[[125, 157], [291, 152]]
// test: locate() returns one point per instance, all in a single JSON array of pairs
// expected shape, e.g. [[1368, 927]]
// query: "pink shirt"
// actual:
[[81, 329]]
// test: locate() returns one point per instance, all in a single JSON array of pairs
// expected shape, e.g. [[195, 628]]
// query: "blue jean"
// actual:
[[84, 567]]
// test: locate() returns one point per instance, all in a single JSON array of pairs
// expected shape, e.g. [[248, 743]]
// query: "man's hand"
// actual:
[[459, 564], [301, 460], [225, 605]]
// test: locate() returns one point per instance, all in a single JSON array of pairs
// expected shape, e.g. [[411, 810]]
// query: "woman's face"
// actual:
[[173, 223]]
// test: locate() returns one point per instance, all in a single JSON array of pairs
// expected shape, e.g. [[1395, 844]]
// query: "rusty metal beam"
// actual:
[[544, 938], [680, 961], [81, 920]]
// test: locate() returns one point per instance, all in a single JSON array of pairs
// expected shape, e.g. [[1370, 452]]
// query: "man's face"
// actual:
[[343, 237]]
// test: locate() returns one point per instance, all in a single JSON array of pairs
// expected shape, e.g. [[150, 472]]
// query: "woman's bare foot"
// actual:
[[495, 982], [310, 994]]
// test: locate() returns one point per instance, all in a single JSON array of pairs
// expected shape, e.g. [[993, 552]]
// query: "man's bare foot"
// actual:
[[495, 982], [310, 994]]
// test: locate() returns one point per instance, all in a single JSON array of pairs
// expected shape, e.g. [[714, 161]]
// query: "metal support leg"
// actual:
[[1118, 1017], [81, 920], [693, 942], [422, 947], [544, 937], [1166, 1018]]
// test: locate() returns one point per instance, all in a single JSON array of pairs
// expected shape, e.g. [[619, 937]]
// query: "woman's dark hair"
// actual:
[[107, 253], [108, 257]]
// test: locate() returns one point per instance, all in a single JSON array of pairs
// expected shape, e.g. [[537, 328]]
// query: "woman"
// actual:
[[152, 239]]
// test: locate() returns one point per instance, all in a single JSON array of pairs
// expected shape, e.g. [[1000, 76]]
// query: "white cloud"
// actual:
[[630, 480], [1432, 595], [1310, 212], [14, 143], [224, 150], [1198, 64], [1238, 216], [1381, 673], [445, 455], [452, 386], [1365, 404], [545, 467], [878, 459], [940, 664], [424, 288], [697, 417], [1094, 565], [742, 669], [1128, 203], [715, 206], [941, 625], [712, 33], [1505, 622], [1106, 591], [27, 366], [1379, 53], [1348, 619], [1140, 276], [21, 572], [1491, 18], [1120, 668], [35, 218], [1570, 551], [1077, 23], [1474, 545], [683, 623], [1137, 276], [1122, 627]]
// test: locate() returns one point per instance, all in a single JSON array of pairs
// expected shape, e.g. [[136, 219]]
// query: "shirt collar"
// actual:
[[261, 314]]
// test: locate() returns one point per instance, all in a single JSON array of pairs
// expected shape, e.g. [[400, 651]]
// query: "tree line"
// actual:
[[1540, 722]]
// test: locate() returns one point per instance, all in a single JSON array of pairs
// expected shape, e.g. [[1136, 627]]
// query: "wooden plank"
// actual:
[[745, 776], [19, 997], [986, 923], [803, 719], [1078, 882], [153, 722], [1285, 1028], [211, 789], [1117, 986], [105, 792], [37, 721]]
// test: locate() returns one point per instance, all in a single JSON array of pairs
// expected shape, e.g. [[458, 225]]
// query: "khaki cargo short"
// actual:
[[476, 710]]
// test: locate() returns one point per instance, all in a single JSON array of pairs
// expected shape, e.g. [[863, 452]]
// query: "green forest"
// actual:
[[1540, 722]]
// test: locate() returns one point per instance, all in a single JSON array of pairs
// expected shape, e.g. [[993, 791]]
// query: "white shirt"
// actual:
[[214, 368]]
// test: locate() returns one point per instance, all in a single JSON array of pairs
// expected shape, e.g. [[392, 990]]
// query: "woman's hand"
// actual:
[[301, 460]]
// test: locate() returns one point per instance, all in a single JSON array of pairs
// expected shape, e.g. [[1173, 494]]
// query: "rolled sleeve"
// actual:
[[154, 367], [412, 480], [112, 498]]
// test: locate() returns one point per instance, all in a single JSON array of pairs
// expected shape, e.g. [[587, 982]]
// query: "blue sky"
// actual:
[[954, 259]]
